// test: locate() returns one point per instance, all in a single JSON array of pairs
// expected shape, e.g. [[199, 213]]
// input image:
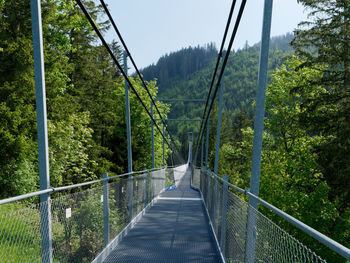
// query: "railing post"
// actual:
[[40, 94], [218, 129], [190, 143], [152, 126], [224, 215], [131, 196], [202, 152], [105, 210], [163, 145], [258, 133], [152, 185], [213, 198], [145, 188], [128, 135], [207, 145], [209, 190]]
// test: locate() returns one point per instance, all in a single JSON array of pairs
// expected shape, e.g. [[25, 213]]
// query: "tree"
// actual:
[[323, 43], [291, 177], [85, 100]]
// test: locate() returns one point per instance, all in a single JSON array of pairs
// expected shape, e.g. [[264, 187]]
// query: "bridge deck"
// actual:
[[174, 229]]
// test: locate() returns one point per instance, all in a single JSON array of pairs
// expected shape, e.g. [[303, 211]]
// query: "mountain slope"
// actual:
[[180, 77]]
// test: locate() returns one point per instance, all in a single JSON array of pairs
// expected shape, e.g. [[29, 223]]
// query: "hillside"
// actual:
[[180, 77]]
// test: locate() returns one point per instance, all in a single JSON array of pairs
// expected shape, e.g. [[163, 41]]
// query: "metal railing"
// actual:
[[82, 223], [229, 215]]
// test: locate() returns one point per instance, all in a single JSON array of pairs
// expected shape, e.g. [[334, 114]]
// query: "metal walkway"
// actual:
[[174, 229]]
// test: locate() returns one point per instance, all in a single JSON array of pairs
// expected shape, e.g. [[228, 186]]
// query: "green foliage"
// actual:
[[70, 143], [85, 101], [323, 43], [186, 81], [291, 178]]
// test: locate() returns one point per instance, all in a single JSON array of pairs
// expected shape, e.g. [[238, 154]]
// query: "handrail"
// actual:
[[334, 245], [330, 243], [175, 166], [25, 196], [62, 188]]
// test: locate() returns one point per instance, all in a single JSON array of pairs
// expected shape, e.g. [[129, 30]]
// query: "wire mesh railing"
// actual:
[[78, 220], [229, 215]]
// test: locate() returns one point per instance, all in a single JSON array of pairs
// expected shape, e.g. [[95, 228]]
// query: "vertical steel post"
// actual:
[[153, 160], [218, 129], [105, 210], [208, 189], [163, 145], [258, 132], [128, 135], [224, 215], [202, 152], [145, 188], [213, 201], [207, 146], [40, 94], [127, 110], [152, 184], [190, 142], [131, 197]]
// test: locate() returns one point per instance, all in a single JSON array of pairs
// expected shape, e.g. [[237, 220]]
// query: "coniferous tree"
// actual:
[[323, 42]]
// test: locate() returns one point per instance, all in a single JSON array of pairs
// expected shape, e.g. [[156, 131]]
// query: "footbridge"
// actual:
[[179, 213]]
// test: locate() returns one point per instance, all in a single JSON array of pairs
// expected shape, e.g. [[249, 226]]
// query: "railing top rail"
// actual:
[[174, 166], [335, 246], [178, 119], [67, 187], [183, 100]]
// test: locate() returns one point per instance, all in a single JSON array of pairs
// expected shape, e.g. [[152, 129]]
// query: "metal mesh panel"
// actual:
[[272, 244], [118, 206], [158, 181], [139, 201], [20, 238], [196, 177], [169, 177], [77, 220], [235, 228]]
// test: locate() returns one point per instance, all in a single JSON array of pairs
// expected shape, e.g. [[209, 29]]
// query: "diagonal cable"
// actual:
[[217, 62], [118, 65], [219, 56], [134, 64], [238, 20]]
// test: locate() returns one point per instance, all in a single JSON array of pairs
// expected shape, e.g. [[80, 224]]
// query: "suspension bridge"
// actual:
[[181, 213]]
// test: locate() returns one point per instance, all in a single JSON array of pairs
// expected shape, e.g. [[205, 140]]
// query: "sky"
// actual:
[[152, 28]]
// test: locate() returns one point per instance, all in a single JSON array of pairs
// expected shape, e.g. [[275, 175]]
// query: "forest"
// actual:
[[306, 148], [85, 101]]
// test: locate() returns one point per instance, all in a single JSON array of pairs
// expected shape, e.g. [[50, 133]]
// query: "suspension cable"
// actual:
[[92, 23], [134, 64], [219, 56], [238, 20]]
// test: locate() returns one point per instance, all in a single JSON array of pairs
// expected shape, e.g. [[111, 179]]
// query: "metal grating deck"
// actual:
[[174, 229]]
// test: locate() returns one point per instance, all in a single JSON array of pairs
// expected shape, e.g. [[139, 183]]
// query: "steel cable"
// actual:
[[234, 32], [97, 31], [134, 64], [219, 57]]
